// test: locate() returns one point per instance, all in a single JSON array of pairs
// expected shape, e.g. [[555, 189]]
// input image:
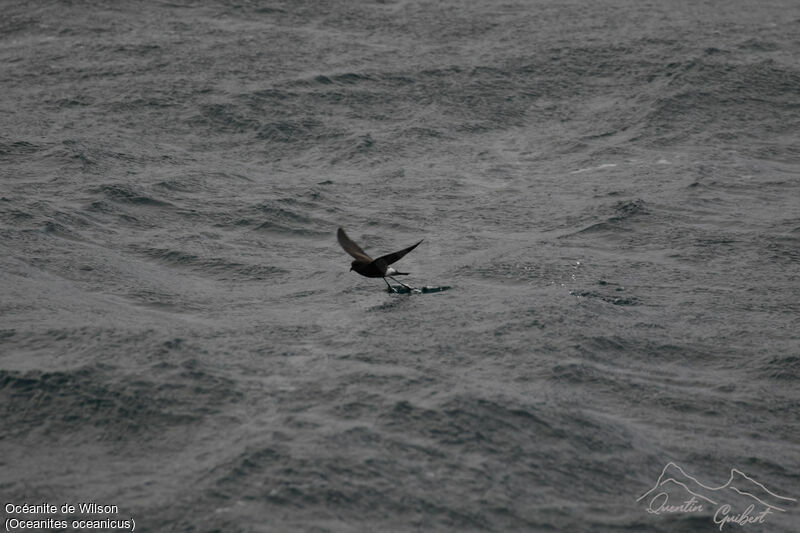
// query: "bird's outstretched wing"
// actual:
[[388, 259], [352, 248]]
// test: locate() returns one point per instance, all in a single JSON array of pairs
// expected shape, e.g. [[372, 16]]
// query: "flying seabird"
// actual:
[[373, 268]]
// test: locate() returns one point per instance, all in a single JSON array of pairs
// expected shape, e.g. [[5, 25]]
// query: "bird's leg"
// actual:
[[388, 287], [401, 283]]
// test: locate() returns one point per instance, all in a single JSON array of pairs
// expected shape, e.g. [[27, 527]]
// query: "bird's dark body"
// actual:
[[365, 265], [373, 269]]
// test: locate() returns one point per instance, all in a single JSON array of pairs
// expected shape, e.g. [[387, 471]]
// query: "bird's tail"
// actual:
[[400, 274]]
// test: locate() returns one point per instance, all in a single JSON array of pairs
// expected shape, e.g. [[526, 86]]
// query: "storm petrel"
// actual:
[[373, 268]]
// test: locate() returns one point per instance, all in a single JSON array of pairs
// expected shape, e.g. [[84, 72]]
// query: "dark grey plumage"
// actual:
[[365, 265]]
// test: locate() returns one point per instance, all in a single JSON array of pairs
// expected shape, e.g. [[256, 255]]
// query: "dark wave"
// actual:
[[626, 214], [783, 368], [130, 194], [116, 409], [12, 149], [282, 217], [225, 117], [290, 131], [216, 267], [614, 299]]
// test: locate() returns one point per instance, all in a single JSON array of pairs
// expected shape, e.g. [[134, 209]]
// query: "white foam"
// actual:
[[599, 167]]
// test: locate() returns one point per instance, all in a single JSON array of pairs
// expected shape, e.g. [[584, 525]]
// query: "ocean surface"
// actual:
[[610, 189]]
